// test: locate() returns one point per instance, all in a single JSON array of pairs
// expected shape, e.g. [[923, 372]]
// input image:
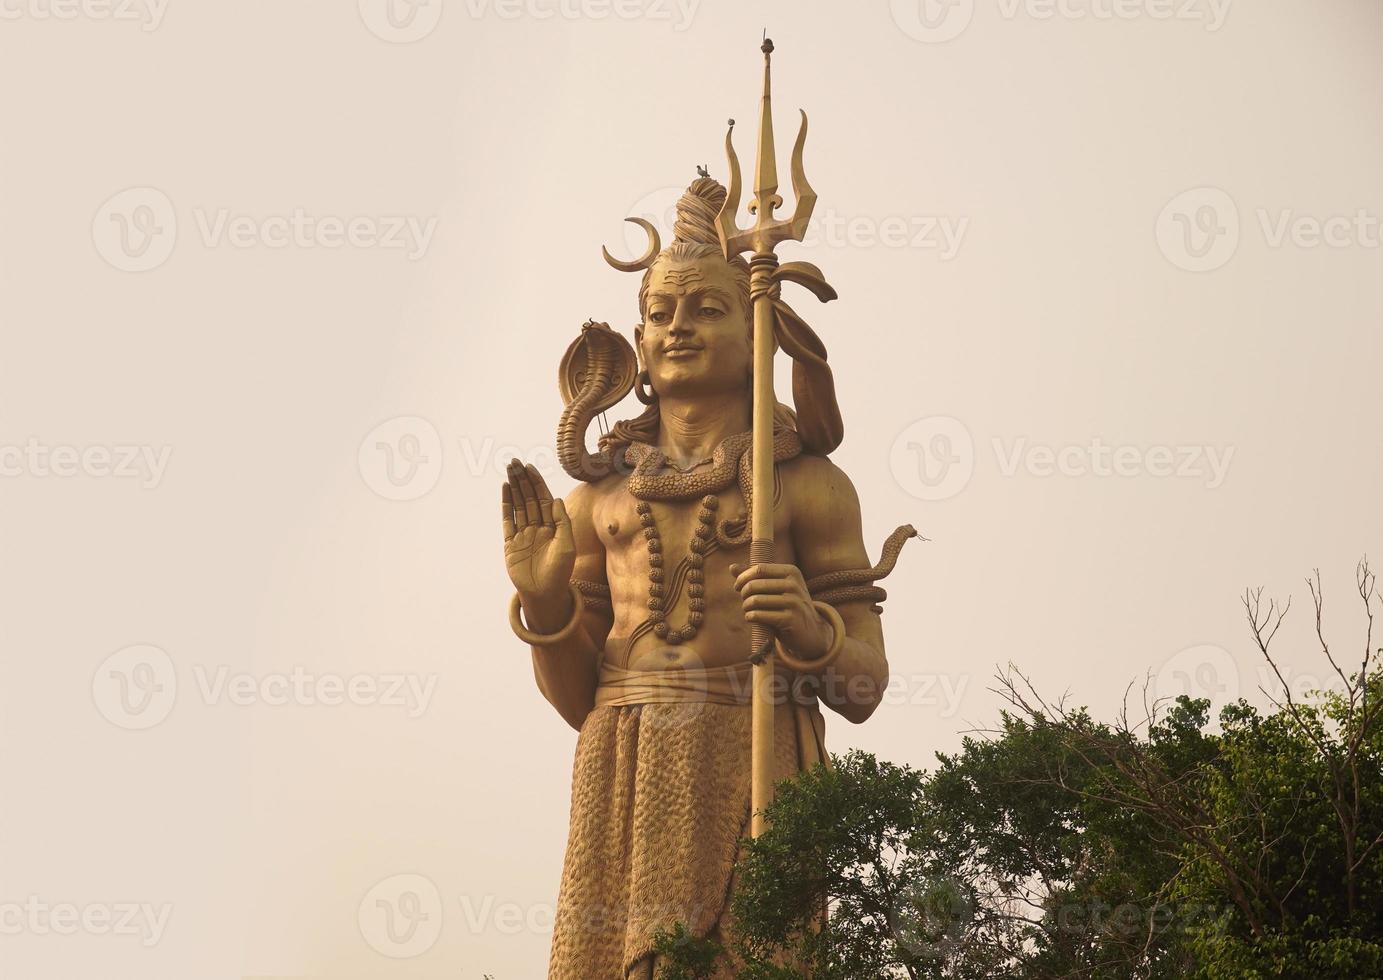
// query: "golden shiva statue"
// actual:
[[668, 614]]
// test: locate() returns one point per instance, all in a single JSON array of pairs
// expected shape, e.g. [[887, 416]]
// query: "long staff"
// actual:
[[760, 240]]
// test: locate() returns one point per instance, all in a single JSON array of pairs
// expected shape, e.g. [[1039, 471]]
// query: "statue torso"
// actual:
[[723, 638]]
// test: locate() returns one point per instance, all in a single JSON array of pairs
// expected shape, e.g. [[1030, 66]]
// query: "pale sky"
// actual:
[[1107, 333]]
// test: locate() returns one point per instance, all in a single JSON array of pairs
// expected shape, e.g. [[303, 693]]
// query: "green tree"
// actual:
[[1062, 846]]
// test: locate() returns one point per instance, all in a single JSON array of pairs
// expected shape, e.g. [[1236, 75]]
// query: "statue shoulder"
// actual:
[[810, 469], [585, 499], [819, 489]]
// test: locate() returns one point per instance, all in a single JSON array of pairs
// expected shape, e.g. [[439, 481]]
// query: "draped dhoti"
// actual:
[[660, 801]]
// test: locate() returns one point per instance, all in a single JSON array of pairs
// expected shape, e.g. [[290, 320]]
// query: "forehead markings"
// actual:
[[682, 279]]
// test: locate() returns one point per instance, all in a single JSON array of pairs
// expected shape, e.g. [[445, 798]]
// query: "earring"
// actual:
[[640, 381]]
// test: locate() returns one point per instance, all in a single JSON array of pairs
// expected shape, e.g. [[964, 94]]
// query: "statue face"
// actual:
[[695, 338]]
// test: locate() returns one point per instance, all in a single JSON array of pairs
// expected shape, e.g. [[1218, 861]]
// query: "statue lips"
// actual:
[[678, 351]]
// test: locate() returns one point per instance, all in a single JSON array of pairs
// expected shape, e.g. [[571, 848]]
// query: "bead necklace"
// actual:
[[696, 573]]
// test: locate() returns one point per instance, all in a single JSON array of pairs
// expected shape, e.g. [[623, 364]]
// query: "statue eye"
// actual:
[[659, 316], [711, 313]]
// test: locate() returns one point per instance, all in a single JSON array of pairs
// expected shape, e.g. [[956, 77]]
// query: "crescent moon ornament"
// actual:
[[655, 245]]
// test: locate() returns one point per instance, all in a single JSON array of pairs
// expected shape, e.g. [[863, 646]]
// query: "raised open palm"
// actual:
[[538, 547]]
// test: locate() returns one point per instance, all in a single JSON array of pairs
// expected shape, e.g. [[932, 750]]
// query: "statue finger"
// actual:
[[533, 514], [517, 497], [507, 510], [775, 618], [562, 522], [765, 570], [766, 586], [768, 601], [543, 493]]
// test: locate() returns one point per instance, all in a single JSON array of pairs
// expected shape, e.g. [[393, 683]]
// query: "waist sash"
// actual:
[[620, 686]]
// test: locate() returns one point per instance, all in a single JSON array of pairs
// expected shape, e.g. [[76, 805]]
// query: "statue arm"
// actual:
[[566, 672], [828, 537]]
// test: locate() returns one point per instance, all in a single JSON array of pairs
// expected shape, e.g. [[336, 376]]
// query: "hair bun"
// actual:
[[696, 213]]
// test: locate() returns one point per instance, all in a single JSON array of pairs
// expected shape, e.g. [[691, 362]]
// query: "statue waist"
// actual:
[[733, 685]]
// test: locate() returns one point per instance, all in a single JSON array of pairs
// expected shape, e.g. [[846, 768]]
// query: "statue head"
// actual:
[[694, 339], [695, 335]]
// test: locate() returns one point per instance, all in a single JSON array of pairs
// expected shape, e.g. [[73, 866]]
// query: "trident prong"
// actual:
[[767, 231]]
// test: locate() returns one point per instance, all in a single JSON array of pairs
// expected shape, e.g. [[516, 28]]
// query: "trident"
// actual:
[[765, 274]]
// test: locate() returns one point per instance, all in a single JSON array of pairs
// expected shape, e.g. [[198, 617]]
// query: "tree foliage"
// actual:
[[1062, 846]]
